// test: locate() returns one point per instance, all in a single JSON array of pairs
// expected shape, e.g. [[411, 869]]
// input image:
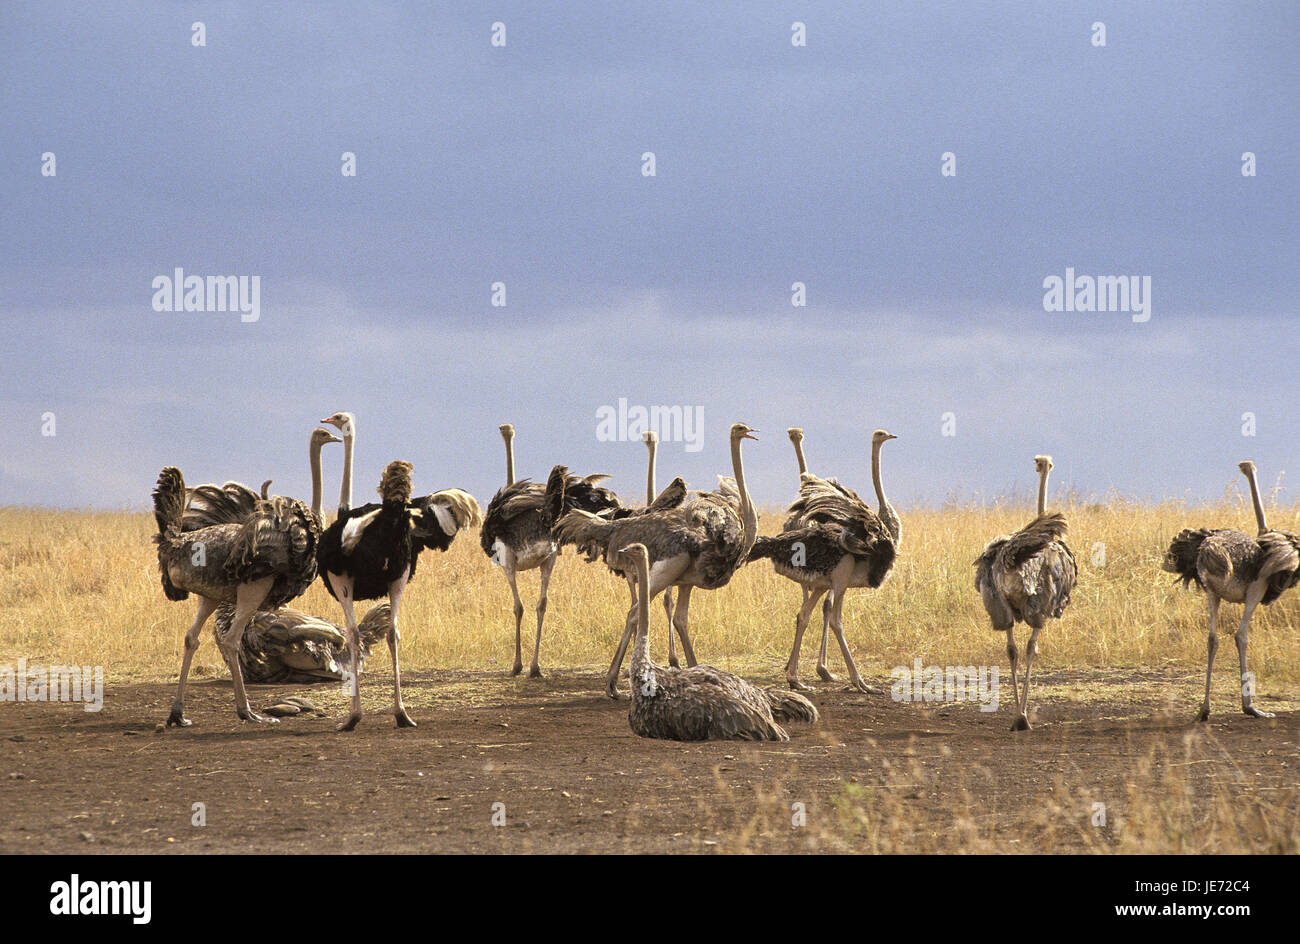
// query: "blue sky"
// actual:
[[775, 164]]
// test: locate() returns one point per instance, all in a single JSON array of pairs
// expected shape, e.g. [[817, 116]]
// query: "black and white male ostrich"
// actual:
[[1027, 577], [517, 536], [833, 541], [258, 557], [700, 544], [699, 703], [371, 551], [1229, 565]]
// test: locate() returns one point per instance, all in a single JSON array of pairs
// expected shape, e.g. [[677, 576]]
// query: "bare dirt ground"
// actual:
[[874, 775]]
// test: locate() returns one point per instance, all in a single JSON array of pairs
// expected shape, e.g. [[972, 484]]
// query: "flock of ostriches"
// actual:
[[244, 555]]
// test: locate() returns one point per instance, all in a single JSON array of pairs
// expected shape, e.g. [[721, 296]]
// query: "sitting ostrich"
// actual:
[[1027, 577], [262, 557], [371, 551], [1229, 565], [288, 646], [516, 535], [700, 544], [833, 541], [700, 703]]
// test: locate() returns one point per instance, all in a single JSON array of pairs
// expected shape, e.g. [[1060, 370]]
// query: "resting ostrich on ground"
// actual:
[[259, 559], [700, 703], [517, 536], [1027, 577], [289, 646], [1229, 565], [371, 551], [832, 541], [698, 544]]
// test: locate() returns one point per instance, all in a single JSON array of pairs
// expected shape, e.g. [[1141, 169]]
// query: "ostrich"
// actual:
[[832, 541], [652, 445], [700, 703], [289, 646], [1229, 565], [371, 551], [796, 439], [1027, 577], [263, 558], [701, 543], [517, 536]]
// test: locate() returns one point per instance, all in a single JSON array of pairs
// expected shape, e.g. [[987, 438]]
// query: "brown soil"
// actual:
[[573, 778]]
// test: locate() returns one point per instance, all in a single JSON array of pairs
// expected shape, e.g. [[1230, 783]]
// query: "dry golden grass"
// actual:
[[83, 587]]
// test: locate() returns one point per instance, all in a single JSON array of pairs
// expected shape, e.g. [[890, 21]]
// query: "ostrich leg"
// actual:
[[1014, 655], [249, 597], [343, 591], [395, 590], [1212, 646], [1253, 596], [838, 588], [535, 670], [824, 673], [810, 599], [672, 642], [1022, 707], [206, 608], [509, 567], [681, 613]]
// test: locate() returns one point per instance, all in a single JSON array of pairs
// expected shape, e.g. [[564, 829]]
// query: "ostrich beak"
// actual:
[[750, 435], [333, 438]]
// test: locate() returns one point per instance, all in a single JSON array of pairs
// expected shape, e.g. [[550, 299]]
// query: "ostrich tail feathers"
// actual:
[[791, 706], [553, 499], [1180, 559], [169, 499]]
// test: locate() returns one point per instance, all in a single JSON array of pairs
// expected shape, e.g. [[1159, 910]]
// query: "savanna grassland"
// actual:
[[1116, 685]]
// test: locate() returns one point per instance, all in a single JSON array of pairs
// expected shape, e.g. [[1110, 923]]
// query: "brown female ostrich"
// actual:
[[517, 536], [258, 558], [371, 551], [652, 445], [832, 541], [796, 439], [1229, 565], [1027, 576], [290, 646], [700, 703], [701, 543]]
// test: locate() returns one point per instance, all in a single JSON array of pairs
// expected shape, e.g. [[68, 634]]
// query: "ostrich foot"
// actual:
[[1204, 714], [177, 718], [249, 714], [826, 675], [612, 690], [403, 719], [861, 686], [351, 723], [1257, 712], [535, 671], [672, 661], [518, 667], [796, 685], [1020, 724]]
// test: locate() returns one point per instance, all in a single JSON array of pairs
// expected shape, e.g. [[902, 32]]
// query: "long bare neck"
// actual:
[[748, 516], [641, 649], [885, 509], [345, 490], [510, 460], [1257, 501], [316, 484], [798, 454], [1042, 491], [650, 472]]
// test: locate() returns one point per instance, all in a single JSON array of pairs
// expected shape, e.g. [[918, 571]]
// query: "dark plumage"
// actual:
[[254, 555], [516, 533], [699, 703], [1027, 577], [1230, 565]]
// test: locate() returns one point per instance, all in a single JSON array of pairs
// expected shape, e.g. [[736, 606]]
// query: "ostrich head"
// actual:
[[342, 420], [795, 434], [1247, 468], [740, 431], [1043, 464], [507, 431], [649, 437], [881, 436], [320, 437], [395, 486]]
